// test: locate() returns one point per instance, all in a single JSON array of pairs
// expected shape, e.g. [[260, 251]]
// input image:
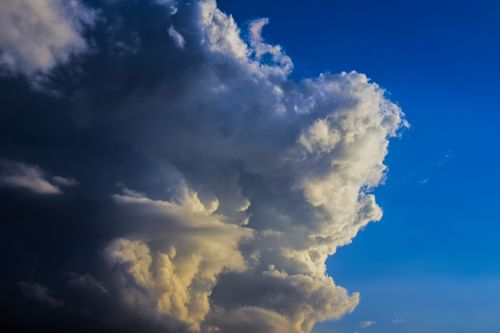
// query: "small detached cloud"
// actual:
[[367, 323], [448, 156], [424, 180], [398, 321], [34, 291], [31, 177]]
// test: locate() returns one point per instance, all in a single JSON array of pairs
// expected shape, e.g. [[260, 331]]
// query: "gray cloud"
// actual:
[[65, 181], [36, 36], [86, 282], [31, 177], [39, 293], [176, 37]]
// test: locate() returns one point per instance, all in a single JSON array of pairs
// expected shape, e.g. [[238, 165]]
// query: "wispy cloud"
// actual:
[[31, 177], [86, 282], [448, 156], [176, 37], [424, 180], [367, 323], [39, 293]]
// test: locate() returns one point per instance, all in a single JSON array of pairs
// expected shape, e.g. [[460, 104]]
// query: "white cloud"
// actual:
[[36, 36], [367, 323], [221, 34], [398, 321], [39, 293], [424, 180], [447, 157], [31, 177], [259, 48]]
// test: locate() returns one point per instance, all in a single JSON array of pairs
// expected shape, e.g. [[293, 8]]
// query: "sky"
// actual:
[[250, 166]]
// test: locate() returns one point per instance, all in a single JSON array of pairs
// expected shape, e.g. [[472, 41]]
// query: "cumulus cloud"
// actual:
[[236, 182], [39, 293], [36, 36], [309, 153], [31, 177], [398, 321], [179, 268]]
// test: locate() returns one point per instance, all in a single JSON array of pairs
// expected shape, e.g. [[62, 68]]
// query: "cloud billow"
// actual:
[[217, 186], [37, 36]]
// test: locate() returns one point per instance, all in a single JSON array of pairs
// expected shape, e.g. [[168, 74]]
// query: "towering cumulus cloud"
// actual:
[[212, 186]]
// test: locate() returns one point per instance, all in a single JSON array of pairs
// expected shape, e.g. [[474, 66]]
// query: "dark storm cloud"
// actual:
[[203, 188]]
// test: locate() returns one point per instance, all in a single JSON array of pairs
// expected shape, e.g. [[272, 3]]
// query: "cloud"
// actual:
[[176, 37], [367, 323], [308, 153], [65, 181], [448, 156], [424, 180], [86, 282], [36, 36], [236, 181], [37, 292], [170, 4], [398, 321], [179, 268], [31, 177]]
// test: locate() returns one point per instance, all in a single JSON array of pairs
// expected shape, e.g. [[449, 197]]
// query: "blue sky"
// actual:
[[433, 259]]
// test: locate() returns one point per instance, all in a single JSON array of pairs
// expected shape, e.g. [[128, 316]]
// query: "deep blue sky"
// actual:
[[433, 260]]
